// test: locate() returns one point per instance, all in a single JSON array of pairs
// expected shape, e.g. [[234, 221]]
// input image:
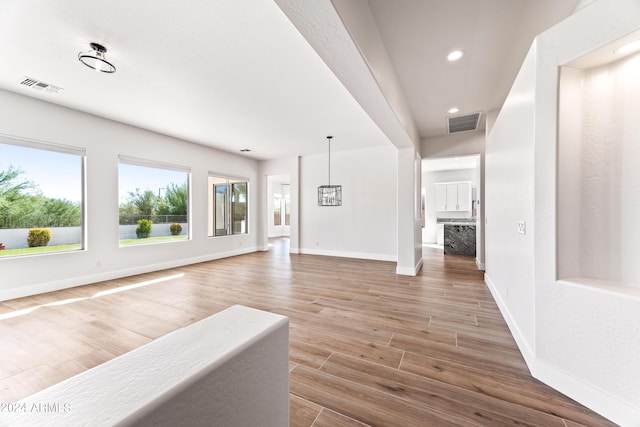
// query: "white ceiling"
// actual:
[[494, 35], [237, 74]]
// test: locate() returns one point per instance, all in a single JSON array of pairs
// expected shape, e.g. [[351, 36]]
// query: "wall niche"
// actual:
[[598, 170]]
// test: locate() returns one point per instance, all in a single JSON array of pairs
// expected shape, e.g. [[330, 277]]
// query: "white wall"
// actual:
[[104, 141], [581, 338], [509, 178], [365, 226], [429, 179]]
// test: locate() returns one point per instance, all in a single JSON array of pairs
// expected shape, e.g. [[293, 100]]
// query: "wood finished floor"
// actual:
[[367, 347]]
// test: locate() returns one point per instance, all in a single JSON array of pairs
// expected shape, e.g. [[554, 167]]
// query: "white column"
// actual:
[[409, 225]]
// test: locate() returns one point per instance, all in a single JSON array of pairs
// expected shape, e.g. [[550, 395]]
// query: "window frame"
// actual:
[[214, 180], [81, 152], [147, 163]]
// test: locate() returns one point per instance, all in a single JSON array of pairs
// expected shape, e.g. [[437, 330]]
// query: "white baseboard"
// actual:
[[479, 265], [343, 254], [408, 271], [592, 397], [527, 352], [588, 395], [57, 285]]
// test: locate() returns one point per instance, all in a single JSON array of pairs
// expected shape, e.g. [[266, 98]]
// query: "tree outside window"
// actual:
[[41, 193], [154, 202]]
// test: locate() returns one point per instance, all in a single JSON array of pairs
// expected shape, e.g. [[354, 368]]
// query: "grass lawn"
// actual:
[[39, 250], [151, 240], [73, 247]]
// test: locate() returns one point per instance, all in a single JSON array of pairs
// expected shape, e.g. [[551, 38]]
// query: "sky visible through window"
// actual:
[[57, 175], [156, 180]]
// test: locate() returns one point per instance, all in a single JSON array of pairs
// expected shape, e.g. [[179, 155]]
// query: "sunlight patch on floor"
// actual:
[[24, 311]]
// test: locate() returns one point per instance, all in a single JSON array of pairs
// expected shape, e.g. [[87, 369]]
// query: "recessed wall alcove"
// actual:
[[598, 170]]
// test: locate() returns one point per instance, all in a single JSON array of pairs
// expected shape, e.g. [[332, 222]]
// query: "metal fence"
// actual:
[[156, 219], [35, 220]]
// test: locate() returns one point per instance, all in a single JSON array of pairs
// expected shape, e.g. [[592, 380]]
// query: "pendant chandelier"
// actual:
[[330, 195]]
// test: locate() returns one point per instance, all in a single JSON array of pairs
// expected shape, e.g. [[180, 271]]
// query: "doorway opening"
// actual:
[[450, 195], [278, 208]]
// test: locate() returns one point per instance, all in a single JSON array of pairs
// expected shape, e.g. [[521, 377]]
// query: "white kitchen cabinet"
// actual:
[[453, 196], [441, 197], [464, 196]]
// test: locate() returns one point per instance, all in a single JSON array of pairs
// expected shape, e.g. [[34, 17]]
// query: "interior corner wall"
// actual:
[[365, 226], [104, 140], [580, 339]]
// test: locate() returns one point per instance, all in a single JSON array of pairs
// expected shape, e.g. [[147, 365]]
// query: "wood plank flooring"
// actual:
[[367, 347]]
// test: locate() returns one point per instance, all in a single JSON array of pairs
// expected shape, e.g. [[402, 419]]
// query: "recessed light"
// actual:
[[453, 110], [628, 48], [455, 55]]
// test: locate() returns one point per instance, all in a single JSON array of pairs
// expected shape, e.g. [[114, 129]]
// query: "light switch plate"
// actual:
[[522, 227]]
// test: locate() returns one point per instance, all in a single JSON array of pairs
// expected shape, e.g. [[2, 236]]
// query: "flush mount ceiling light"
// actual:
[[95, 58], [628, 48], [330, 195], [455, 55], [453, 110]]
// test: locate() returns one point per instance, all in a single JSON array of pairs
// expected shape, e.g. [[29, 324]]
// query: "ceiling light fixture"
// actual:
[[455, 55], [330, 195], [628, 48], [453, 110], [95, 58]]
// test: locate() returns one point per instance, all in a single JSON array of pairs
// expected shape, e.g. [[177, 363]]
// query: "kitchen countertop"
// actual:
[[456, 221], [459, 236]]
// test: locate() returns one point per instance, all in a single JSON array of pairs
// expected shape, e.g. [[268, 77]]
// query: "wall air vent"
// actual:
[[39, 85], [463, 123]]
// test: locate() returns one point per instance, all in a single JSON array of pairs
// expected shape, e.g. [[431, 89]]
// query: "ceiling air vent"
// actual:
[[463, 123], [39, 85]]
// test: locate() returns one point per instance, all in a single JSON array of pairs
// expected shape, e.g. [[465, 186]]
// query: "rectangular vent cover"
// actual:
[[39, 85], [463, 123]]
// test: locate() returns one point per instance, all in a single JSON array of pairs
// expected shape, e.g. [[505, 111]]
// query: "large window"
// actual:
[[228, 207], [41, 197], [154, 201]]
